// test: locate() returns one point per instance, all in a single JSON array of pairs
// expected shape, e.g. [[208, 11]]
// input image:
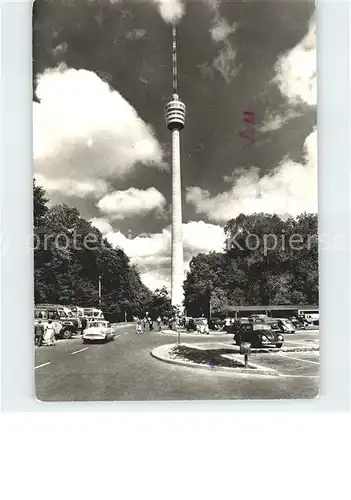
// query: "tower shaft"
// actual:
[[175, 119], [177, 238]]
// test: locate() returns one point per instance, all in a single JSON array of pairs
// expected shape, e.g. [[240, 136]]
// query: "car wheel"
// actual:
[[279, 345], [66, 334]]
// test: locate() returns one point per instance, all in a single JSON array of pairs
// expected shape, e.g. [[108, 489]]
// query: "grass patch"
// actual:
[[211, 357]]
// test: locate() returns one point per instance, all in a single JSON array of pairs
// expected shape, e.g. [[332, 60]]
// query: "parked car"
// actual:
[[286, 325], [197, 324], [299, 322], [259, 317], [98, 331], [202, 325], [215, 324], [259, 335], [235, 327]]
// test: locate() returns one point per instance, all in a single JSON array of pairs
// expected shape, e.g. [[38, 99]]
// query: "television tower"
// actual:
[[175, 120]]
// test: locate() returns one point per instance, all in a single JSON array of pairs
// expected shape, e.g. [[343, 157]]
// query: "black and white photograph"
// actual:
[[175, 199]]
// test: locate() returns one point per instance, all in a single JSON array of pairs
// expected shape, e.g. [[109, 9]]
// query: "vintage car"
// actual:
[[215, 324], [197, 324], [236, 325], [98, 331], [258, 335], [286, 325]]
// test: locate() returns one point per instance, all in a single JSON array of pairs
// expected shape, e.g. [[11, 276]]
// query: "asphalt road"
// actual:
[[123, 370]]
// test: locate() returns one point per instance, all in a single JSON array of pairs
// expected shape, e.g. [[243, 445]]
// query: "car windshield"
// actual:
[[261, 326]]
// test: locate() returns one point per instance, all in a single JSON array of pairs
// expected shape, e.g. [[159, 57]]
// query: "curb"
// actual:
[[255, 370], [269, 350], [193, 334]]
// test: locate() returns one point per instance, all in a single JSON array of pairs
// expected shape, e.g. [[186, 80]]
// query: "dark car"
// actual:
[[259, 335], [237, 325], [299, 322], [215, 324]]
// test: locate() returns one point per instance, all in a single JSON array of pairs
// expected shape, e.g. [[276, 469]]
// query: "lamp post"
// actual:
[[100, 293]]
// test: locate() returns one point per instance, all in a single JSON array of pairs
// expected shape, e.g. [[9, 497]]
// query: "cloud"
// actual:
[[277, 121], [296, 71], [221, 29], [86, 133], [171, 10], [131, 202], [291, 188], [152, 253], [102, 224], [93, 188], [225, 62]]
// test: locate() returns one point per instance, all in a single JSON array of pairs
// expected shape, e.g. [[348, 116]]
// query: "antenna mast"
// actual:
[[174, 60]]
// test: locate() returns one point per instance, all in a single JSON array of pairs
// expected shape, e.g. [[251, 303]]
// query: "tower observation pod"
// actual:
[[175, 113], [175, 120]]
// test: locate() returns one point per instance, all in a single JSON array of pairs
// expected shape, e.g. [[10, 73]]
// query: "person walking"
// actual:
[[84, 323], [49, 335], [159, 321], [139, 329], [38, 333]]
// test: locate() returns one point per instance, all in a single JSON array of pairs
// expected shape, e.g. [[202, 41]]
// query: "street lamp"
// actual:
[[100, 293]]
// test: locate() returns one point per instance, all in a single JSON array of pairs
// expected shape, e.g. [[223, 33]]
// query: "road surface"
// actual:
[[124, 370]]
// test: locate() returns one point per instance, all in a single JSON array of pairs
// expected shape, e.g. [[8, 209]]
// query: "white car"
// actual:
[[201, 325], [98, 331]]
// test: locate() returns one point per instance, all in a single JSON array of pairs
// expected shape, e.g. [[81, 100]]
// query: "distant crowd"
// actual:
[[149, 324]]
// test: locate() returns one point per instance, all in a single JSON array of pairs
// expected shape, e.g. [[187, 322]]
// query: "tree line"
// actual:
[[69, 256], [267, 260]]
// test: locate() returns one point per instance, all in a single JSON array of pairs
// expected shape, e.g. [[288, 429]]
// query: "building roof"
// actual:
[[286, 307]]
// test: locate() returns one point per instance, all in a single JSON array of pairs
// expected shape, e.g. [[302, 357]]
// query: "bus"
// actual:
[[93, 313], [65, 324], [310, 316]]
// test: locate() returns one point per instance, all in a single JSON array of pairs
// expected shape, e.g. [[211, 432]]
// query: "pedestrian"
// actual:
[[84, 324], [139, 329], [151, 324], [49, 335], [159, 321], [38, 333]]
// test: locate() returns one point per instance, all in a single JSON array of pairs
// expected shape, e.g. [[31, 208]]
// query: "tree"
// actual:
[[160, 303], [39, 204], [262, 264], [207, 273], [69, 256]]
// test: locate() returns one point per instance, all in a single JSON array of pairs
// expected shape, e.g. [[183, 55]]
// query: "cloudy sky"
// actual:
[[102, 72]]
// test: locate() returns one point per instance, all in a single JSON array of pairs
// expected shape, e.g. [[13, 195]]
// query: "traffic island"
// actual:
[[192, 333], [212, 359]]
